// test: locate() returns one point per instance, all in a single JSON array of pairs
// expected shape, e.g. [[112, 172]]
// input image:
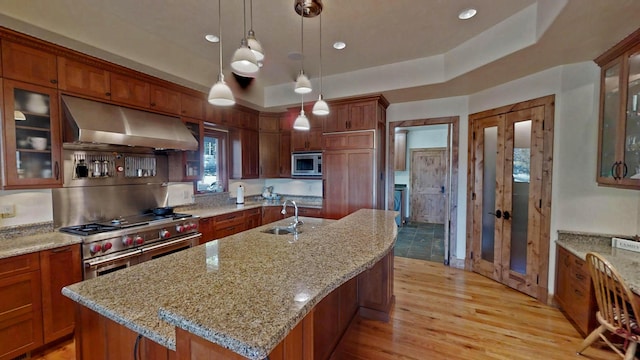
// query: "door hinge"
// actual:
[[540, 204], [473, 196], [542, 124], [471, 255], [473, 134], [537, 279]]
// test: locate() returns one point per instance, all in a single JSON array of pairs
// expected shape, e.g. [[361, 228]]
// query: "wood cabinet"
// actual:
[[192, 106], [305, 211], [58, 268], [80, 78], [310, 140], [269, 146], [271, 214], [349, 140], [574, 291], [219, 226], [165, 100], [128, 90], [31, 136], [285, 154], [357, 115], [243, 157], [192, 160], [347, 181], [20, 305], [400, 151], [252, 218], [205, 226], [31, 65], [619, 123], [375, 290]]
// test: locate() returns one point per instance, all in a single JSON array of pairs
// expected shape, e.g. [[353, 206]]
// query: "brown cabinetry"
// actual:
[[358, 115], [375, 290], [165, 100], [269, 146], [192, 160], [192, 106], [31, 138], [285, 154], [271, 214], [400, 151], [347, 181], [244, 161], [20, 305], [574, 291], [219, 226], [128, 90], [80, 78], [58, 268], [619, 125], [305, 211], [24, 63]]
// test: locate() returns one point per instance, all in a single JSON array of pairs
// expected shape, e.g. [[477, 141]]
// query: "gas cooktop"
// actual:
[[122, 223]]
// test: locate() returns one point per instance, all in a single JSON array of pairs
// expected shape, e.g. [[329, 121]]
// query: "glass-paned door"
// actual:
[[508, 172], [610, 117], [632, 128]]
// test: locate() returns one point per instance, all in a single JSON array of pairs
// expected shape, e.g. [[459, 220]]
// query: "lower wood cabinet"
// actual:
[[20, 305], [574, 291], [271, 214], [58, 268], [216, 227], [305, 211]]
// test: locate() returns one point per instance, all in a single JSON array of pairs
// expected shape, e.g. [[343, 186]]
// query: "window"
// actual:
[[214, 152]]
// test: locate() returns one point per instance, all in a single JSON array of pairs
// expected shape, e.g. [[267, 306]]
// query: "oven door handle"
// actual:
[[177, 241], [128, 254]]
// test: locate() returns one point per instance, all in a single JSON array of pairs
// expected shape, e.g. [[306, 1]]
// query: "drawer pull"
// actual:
[[578, 292], [63, 249], [579, 262], [580, 277]]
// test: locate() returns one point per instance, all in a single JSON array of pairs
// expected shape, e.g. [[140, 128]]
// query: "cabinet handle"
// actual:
[[624, 171], [53, 81], [324, 183], [613, 167], [578, 262], [577, 292], [579, 276], [566, 261], [60, 250], [153, 104], [107, 94], [56, 170]]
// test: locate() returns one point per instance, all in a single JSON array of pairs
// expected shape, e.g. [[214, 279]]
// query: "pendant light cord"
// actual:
[[302, 39], [320, 53], [244, 16], [220, 32], [251, 14]]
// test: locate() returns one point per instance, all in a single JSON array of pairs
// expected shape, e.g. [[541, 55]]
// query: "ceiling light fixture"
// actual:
[[220, 93], [467, 14], [244, 61], [212, 38], [303, 85], [302, 122], [253, 43], [308, 8], [339, 45], [321, 107]]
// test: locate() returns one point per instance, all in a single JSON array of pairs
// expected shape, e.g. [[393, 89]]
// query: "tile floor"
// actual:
[[421, 241]]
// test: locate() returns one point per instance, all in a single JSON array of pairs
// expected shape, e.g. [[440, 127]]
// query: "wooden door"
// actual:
[[508, 153], [428, 185]]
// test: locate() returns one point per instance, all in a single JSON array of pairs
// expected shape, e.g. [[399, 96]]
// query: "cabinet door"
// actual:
[[192, 106], [83, 79], [299, 140], [285, 154], [244, 155], [400, 151], [348, 182], [337, 118], [206, 229], [269, 154], [252, 218], [325, 326], [58, 268], [20, 314], [362, 116], [314, 139], [163, 99], [129, 91], [271, 214], [192, 160], [27, 64], [31, 137]]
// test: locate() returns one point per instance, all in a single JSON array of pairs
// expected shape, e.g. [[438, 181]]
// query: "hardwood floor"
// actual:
[[446, 313]]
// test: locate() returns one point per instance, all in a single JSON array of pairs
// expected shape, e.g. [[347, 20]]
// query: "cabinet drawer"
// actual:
[[252, 212], [25, 332], [19, 264], [352, 140], [229, 230], [227, 220]]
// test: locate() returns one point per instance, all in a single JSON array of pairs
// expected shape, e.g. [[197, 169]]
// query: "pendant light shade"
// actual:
[[302, 122], [220, 93], [244, 61], [303, 85], [320, 107]]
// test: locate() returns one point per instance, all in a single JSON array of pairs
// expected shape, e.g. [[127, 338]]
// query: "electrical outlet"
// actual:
[[7, 210]]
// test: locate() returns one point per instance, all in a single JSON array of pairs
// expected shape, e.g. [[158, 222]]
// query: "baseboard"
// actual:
[[456, 263]]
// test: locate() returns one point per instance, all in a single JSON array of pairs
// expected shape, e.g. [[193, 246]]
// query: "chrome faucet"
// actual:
[[296, 222]]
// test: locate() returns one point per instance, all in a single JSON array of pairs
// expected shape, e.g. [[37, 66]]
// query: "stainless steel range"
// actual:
[[126, 241]]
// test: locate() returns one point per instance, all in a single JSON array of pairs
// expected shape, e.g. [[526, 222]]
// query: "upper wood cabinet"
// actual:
[[192, 106], [400, 151], [128, 90], [285, 154], [269, 144], [80, 78], [164, 99], [243, 154], [358, 115], [619, 123], [24, 63]]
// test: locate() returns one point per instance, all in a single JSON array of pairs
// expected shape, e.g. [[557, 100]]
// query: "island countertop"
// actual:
[[244, 292]]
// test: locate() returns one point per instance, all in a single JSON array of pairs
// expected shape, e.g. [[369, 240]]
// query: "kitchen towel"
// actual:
[[240, 195]]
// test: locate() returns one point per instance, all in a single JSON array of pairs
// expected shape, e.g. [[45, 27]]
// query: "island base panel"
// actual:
[[99, 338]]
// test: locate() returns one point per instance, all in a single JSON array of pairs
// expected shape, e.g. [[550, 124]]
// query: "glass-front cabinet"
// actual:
[[193, 159], [31, 136], [619, 136]]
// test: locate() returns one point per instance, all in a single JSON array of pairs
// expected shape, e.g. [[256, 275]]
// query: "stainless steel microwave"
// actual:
[[306, 164]]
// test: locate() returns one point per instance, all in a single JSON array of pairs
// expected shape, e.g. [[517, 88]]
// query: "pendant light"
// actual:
[[220, 93], [303, 85], [244, 61], [302, 122], [253, 43], [321, 107]]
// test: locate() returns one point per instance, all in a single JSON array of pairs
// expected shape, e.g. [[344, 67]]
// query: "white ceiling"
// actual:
[[406, 50]]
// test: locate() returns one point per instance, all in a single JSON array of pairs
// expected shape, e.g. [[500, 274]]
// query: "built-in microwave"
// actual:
[[306, 164]]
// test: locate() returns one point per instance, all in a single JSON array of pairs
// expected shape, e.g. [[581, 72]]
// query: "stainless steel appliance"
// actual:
[[306, 164], [125, 241]]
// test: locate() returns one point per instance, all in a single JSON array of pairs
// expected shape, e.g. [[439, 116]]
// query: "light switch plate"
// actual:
[[625, 244]]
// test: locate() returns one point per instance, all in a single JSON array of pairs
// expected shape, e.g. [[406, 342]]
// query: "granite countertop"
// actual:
[[225, 209], [246, 291], [33, 243], [626, 262]]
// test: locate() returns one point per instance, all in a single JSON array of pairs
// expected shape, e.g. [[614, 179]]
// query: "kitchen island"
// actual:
[[245, 296]]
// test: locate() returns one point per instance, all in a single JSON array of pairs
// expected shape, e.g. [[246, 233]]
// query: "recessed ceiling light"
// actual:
[[339, 45], [467, 14], [212, 38], [295, 56]]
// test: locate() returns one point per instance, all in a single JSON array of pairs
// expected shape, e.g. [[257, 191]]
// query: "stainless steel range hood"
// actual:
[[96, 122]]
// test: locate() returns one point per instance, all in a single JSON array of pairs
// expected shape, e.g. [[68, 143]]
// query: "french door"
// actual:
[[507, 198]]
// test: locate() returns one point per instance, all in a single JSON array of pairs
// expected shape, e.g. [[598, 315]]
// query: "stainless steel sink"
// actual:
[[279, 230]]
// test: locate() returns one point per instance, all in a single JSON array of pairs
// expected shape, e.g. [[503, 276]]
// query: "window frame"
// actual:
[[222, 136]]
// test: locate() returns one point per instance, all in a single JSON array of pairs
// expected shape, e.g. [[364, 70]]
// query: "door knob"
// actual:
[[497, 214], [507, 216]]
